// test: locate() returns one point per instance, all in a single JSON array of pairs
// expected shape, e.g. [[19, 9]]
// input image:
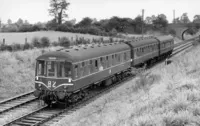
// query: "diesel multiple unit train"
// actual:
[[65, 75]]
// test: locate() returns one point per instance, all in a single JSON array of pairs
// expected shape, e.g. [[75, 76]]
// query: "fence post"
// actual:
[[199, 38], [25, 40], [4, 41], [72, 39], [58, 39]]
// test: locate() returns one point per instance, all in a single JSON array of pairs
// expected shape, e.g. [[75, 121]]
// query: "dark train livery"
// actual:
[[65, 75]]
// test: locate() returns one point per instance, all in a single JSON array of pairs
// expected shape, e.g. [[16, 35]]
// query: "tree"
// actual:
[[138, 24], [0, 24], [196, 19], [19, 22], [9, 22], [160, 21], [26, 22], [58, 10], [177, 21], [148, 20], [51, 25], [85, 22], [184, 18]]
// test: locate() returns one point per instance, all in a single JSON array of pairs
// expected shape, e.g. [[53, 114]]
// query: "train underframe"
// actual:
[[67, 98]]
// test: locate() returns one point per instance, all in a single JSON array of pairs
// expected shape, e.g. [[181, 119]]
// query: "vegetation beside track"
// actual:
[[17, 71], [164, 95]]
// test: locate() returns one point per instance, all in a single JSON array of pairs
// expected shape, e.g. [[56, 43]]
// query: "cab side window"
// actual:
[[107, 61], [90, 65], [96, 65], [125, 57], [76, 71]]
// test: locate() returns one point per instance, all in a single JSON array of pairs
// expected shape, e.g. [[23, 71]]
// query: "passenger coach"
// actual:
[[70, 70]]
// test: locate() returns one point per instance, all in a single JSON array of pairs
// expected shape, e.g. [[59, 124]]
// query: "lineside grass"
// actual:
[[163, 96], [17, 71]]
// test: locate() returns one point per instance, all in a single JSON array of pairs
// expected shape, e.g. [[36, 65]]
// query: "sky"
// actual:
[[37, 10]]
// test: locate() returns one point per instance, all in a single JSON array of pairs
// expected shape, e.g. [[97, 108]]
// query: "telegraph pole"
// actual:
[[0, 23], [142, 22], [174, 16]]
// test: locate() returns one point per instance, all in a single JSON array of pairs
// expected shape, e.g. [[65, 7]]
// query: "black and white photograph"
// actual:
[[99, 63]]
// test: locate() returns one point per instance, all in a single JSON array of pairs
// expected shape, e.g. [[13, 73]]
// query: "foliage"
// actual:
[[196, 19], [58, 10], [172, 32], [64, 41], [85, 22], [36, 42], [160, 22], [51, 25], [27, 46], [184, 18], [45, 42], [16, 47]]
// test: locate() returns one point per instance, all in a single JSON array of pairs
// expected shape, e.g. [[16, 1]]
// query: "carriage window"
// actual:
[[90, 62], [60, 69], [112, 56], [115, 56], [113, 60], [125, 56], [76, 70], [101, 59], [51, 68], [41, 68], [68, 71], [83, 64], [106, 57], [96, 64], [119, 58]]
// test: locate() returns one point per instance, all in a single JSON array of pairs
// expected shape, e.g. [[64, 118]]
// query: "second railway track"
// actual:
[[16, 102]]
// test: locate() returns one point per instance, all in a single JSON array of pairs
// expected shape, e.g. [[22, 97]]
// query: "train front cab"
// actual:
[[53, 79]]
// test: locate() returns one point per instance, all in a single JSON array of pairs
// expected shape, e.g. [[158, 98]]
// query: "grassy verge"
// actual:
[[17, 71], [163, 96]]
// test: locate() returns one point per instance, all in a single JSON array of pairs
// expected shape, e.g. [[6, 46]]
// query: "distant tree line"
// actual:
[[105, 27]]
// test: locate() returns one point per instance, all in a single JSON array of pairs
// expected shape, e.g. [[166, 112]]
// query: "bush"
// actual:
[[55, 43], [172, 32], [64, 41], [27, 46], [8, 48], [26, 28], [36, 42], [16, 47], [45, 42]]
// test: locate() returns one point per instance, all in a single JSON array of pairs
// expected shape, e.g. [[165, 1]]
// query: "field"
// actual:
[[52, 35]]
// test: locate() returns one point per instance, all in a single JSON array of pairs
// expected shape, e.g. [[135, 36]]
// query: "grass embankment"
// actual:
[[17, 71], [163, 96]]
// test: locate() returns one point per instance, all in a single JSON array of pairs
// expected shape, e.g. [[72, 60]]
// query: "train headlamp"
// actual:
[[36, 77], [70, 80], [39, 85]]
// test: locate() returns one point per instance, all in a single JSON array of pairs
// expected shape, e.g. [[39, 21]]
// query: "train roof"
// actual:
[[143, 42], [77, 54], [165, 38]]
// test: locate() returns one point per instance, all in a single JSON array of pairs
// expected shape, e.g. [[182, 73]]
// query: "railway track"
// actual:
[[16, 102], [181, 47], [45, 114]]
